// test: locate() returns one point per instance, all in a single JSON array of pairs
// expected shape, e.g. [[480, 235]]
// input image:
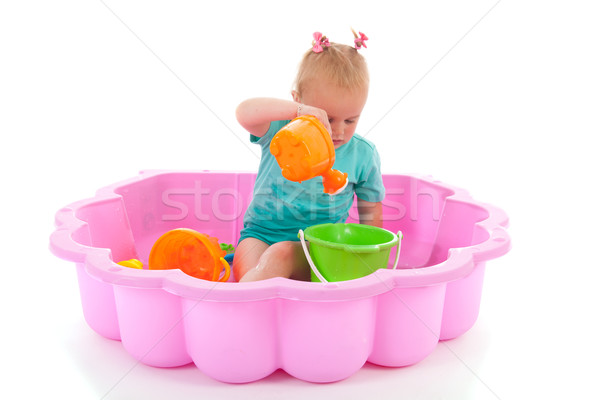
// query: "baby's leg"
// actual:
[[283, 259], [247, 255]]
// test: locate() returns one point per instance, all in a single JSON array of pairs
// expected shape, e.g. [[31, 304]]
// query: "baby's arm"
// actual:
[[370, 213], [256, 114]]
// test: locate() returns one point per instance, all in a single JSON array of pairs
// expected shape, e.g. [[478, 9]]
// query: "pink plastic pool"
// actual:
[[314, 331]]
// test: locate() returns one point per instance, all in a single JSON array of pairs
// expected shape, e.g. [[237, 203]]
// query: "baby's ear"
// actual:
[[296, 96]]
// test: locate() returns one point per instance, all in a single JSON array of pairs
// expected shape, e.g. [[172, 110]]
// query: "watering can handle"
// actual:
[[400, 236], [310, 261]]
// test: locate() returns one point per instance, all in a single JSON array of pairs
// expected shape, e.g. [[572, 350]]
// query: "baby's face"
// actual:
[[343, 107]]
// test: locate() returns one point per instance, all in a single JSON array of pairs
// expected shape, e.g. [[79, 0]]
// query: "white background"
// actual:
[[501, 98]]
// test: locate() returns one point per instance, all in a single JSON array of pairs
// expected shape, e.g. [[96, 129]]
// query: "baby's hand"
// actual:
[[317, 112]]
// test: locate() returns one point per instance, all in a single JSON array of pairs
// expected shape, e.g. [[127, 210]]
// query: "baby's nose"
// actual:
[[337, 131]]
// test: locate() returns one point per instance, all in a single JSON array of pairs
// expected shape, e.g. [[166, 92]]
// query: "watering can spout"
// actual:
[[334, 181]]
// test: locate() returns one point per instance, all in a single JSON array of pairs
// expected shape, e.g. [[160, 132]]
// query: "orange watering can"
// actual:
[[195, 253], [304, 149]]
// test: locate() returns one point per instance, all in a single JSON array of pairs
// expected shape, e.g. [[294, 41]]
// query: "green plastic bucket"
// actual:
[[340, 252]]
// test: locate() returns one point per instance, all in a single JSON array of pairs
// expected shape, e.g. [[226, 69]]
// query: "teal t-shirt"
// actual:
[[280, 207]]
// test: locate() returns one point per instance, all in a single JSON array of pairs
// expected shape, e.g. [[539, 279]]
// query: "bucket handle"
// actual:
[[225, 264], [309, 259], [316, 270], [398, 247]]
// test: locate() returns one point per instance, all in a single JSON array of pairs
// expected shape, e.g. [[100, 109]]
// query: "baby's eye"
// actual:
[[350, 121]]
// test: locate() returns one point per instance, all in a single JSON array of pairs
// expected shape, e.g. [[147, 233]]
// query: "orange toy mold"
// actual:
[[194, 253]]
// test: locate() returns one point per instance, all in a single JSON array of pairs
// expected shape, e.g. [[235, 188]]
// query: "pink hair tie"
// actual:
[[359, 41], [319, 42]]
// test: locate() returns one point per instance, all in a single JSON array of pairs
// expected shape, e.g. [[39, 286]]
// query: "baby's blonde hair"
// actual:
[[339, 64]]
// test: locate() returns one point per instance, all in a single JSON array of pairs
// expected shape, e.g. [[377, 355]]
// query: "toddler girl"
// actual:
[[332, 84]]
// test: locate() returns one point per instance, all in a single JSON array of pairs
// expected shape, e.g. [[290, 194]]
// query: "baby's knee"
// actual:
[[280, 250], [281, 259], [288, 259]]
